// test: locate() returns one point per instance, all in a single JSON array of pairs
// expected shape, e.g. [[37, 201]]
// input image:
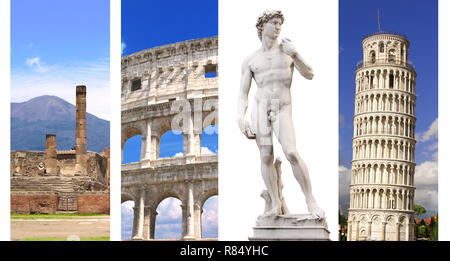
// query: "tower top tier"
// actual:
[[385, 48]]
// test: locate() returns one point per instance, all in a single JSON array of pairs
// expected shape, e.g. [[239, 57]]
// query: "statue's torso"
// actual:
[[272, 72]]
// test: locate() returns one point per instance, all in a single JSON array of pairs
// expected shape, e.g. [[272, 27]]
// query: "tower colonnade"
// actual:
[[382, 176]]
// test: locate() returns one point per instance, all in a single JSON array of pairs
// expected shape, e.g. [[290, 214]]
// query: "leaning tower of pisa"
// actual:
[[382, 175]]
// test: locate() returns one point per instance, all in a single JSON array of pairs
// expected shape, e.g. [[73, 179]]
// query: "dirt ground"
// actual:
[[84, 226]]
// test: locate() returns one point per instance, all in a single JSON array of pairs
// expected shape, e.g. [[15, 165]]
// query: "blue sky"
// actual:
[[146, 24], [418, 20], [56, 45]]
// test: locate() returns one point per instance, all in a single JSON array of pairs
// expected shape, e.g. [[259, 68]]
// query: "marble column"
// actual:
[[140, 220], [189, 218]]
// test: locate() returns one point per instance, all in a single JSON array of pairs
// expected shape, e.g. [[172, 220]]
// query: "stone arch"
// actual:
[[126, 196], [391, 228], [177, 220], [151, 113], [129, 133], [204, 197]]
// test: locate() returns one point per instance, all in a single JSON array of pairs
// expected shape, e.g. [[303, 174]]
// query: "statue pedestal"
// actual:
[[292, 227]]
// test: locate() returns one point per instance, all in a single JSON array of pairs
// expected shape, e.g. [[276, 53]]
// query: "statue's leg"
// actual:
[[286, 135], [264, 141]]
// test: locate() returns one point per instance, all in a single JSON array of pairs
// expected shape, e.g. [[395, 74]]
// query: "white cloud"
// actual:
[[428, 198], [179, 154], [61, 79], [206, 151], [36, 63], [426, 174], [344, 188], [210, 217], [426, 183], [127, 219], [123, 46], [211, 129], [431, 133], [433, 146], [169, 210]]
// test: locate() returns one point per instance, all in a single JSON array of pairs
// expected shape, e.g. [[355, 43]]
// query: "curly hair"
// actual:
[[265, 17]]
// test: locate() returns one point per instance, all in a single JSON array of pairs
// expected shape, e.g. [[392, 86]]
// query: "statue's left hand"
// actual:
[[287, 47]]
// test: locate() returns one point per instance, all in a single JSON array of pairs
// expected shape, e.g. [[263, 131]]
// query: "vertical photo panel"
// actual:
[[388, 133], [60, 126], [169, 120], [279, 120]]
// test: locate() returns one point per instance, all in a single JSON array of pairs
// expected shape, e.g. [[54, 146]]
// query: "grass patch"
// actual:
[[52, 216], [64, 239]]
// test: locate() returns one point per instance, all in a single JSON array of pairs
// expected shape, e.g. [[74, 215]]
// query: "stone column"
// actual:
[[147, 221], [357, 230], [135, 222], [397, 231], [189, 141], [154, 147], [407, 236], [189, 217], [349, 236], [383, 231], [369, 229], [153, 214], [80, 132], [146, 145], [198, 221], [51, 163], [140, 220]]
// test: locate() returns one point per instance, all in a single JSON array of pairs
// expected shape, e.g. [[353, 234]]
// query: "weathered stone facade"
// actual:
[[157, 84], [53, 181], [382, 182]]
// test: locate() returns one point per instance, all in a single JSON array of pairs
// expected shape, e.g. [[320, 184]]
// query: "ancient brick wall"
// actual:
[[93, 203], [31, 203], [51, 203]]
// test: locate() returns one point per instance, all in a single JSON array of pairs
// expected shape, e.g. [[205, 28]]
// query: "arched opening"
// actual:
[[391, 55], [372, 57], [381, 47], [131, 145], [168, 221], [127, 214], [391, 81], [132, 149], [210, 218], [209, 140], [171, 144]]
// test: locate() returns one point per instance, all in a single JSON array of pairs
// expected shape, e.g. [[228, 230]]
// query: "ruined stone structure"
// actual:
[[61, 181], [157, 84], [382, 182]]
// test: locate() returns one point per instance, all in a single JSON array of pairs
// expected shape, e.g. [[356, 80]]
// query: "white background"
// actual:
[[313, 28]]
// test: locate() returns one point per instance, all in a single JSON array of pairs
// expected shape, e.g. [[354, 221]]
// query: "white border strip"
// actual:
[[115, 127], [444, 122], [5, 75]]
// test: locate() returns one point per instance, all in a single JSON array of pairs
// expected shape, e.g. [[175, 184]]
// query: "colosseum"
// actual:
[[170, 87]]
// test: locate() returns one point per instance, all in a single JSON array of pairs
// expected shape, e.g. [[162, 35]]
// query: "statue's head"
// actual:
[[270, 20]]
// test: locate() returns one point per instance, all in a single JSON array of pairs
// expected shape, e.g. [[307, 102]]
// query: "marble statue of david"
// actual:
[[272, 67]]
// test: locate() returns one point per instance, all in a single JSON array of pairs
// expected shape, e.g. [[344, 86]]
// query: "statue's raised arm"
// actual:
[[299, 63]]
